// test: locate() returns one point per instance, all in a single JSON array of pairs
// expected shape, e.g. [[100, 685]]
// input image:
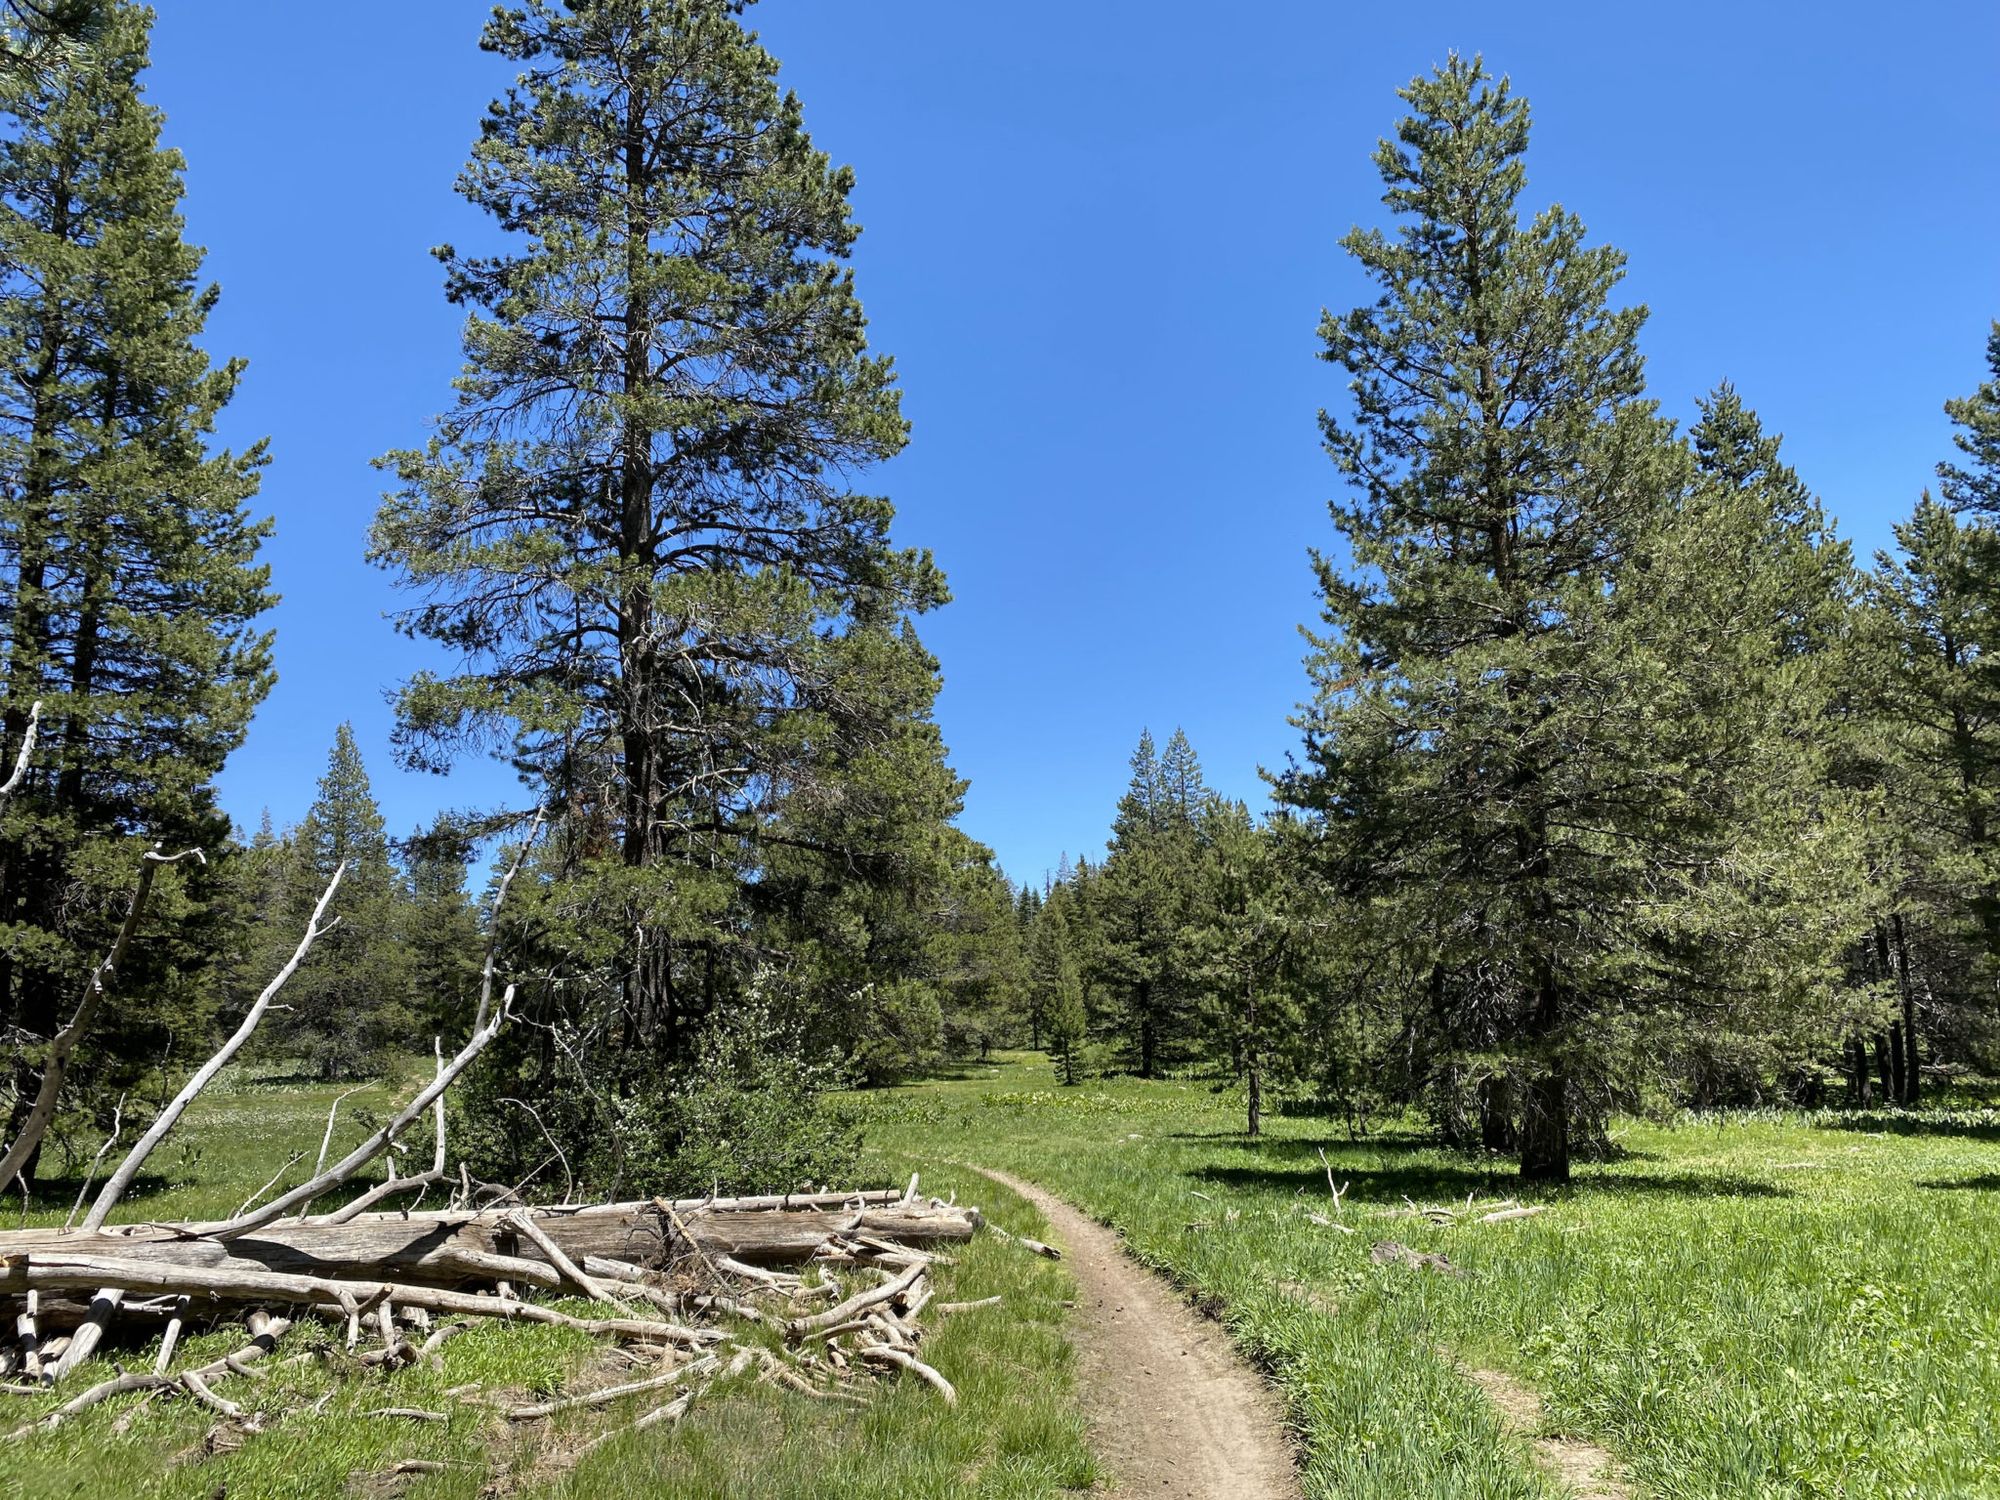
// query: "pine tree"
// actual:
[[1974, 485], [1146, 887], [635, 524], [126, 553], [1239, 933], [981, 961], [1933, 703], [36, 35], [349, 1005], [1462, 753], [1058, 992], [441, 935]]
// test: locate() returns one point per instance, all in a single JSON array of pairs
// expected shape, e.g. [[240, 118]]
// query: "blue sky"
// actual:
[[1098, 237]]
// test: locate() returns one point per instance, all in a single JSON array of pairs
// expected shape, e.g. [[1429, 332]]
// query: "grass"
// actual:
[[1769, 1305], [1774, 1305], [1014, 1435]]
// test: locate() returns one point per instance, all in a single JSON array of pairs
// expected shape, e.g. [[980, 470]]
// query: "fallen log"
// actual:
[[446, 1249]]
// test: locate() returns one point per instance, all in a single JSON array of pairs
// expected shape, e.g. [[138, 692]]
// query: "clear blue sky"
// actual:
[[1098, 238]]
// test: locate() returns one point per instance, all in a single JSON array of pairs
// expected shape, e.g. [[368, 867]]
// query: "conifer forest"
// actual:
[[1567, 1065]]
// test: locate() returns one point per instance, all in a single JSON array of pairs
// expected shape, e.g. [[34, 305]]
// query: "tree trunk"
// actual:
[[1882, 1067], [1496, 1113], [1897, 1084], [1912, 1093], [1250, 1060], [1545, 1129]]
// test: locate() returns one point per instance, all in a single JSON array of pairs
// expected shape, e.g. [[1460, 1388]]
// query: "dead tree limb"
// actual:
[[611, 1392], [525, 1226], [53, 1070], [121, 1179], [13, 783], [377, 1193], [486, 971], [437, 1115], [377, 1143]]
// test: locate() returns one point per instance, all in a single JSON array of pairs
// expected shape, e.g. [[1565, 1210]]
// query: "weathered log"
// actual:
[[449, 1248], [226, 1283]]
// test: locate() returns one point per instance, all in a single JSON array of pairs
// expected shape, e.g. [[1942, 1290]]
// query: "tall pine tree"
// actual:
[[1471, 748], [127, 557], [349, 1005]]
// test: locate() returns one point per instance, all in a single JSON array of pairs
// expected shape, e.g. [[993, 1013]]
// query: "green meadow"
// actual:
[[1748, 1305]]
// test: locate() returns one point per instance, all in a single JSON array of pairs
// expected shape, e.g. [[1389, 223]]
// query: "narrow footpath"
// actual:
[[1173, 1412]]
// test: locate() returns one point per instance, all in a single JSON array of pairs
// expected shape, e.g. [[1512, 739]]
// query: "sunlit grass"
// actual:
[[1015, 1433], [1761, 1306]]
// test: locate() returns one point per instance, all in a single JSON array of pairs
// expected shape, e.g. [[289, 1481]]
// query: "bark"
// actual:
[[452, 1246], [1252, 1061], [1545, 1129], [1496, 1113], [1906, 981]]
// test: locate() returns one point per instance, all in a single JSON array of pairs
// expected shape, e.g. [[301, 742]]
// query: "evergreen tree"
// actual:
[[127, 558], [1058, 992], [1974, 485], [1027, 912], [1147, 884], [1481, 752], [40, 34], [440, 934], [349, 1006], [1934, 709], [636, 529], [982, 962], [1239, 932]]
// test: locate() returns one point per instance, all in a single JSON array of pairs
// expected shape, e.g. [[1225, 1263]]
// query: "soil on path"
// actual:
[[1173, 1411], [1590, 1471]]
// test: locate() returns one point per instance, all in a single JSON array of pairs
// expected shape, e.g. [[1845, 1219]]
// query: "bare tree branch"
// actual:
[[13, 783], [168, 1117], [37, 1124]]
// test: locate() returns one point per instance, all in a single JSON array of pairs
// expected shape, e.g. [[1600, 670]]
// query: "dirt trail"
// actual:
[[1587, 1469], [1173, 1412]]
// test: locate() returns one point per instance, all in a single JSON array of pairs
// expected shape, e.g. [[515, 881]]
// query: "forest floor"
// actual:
[[1764, 1304], [1753, 1305]]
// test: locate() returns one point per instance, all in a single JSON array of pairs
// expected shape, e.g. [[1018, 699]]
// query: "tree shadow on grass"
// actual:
[[52, 1193], [1988, 1182], [1338, 1148], [1439, 1182], [1952, 1125]]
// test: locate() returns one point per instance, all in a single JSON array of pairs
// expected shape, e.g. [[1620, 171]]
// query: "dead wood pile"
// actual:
[[836, 1280]]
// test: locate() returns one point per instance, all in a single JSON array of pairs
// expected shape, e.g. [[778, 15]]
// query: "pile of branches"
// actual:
[[664, 1279], [668, 1283]]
